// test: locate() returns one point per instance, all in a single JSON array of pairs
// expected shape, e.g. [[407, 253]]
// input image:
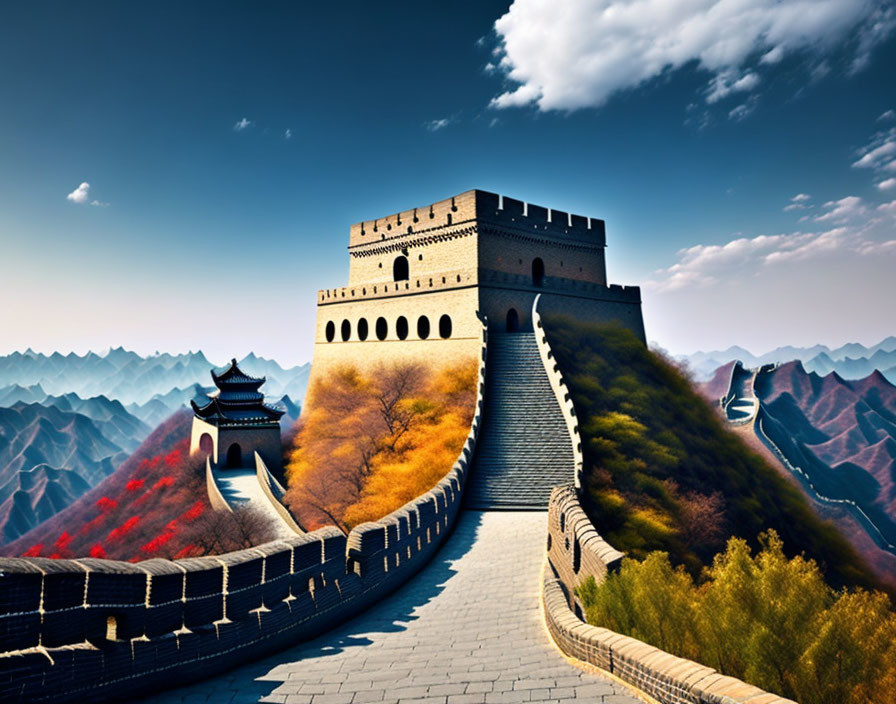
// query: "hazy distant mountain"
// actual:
[[32, 496], [149, 486], [127, 377], [851, 361], [50, 456]]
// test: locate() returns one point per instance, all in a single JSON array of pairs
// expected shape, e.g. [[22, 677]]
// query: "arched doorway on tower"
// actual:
[[537, 272], [400, 269], [206, 444], [234, 456], [513, 320]]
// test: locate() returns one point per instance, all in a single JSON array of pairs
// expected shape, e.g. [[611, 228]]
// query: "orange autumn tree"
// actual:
[[370, 443]]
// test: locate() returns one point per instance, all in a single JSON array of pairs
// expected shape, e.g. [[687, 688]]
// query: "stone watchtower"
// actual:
[[418, 278], [236, 422]]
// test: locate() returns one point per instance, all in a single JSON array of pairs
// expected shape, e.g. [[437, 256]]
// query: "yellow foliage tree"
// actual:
[[367, 445]]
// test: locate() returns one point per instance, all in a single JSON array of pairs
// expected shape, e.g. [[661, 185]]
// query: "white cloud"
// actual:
[[887, 184], [728, 82], [741, 111], [879, 153], [577, 53], [436, 125], [80, 194], [288, 133], [799, 202], [887, 116], [842, 210], [857, 231], [242, 124]]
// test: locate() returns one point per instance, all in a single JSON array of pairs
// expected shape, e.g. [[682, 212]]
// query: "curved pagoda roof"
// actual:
[[237, 401], [234, 376]]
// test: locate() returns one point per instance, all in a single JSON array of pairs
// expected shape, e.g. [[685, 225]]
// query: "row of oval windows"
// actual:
[[382, 328]]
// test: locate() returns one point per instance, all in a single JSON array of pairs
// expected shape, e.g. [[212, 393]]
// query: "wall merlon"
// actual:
[[475, 205]]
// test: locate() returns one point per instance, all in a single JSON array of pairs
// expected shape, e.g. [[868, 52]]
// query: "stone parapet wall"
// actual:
[[93, 630], [561, 392], [274, 492], [575, 549], [667, 678]]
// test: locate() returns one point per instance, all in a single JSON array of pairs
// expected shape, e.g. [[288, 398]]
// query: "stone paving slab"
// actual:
[[467, 629]]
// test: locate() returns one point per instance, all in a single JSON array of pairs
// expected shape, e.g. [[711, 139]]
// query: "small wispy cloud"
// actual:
[[242, 124], [436, 125], [887, 184], [799, 202], [879, 153], [887, 116], [739, 112], [728, 82], [287, 134], [842, 210], [80, 194]]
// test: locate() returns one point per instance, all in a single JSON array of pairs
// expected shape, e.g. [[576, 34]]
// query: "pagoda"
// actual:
[[236, 423]]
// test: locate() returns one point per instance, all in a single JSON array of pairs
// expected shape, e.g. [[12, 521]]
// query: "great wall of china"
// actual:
[[478, 592]]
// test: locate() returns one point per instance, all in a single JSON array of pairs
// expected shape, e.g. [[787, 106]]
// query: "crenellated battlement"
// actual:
[[484, 209]]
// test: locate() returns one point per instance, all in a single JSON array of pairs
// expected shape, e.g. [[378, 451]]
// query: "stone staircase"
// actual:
[[524, 449]]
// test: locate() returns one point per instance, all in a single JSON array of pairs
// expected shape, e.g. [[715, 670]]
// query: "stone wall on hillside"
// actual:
[[575, 552], [90, 629]]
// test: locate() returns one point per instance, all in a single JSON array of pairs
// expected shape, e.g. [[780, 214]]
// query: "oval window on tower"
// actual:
[[362, 329], [331, 331], [346, 330], [422, 327], [401, 327], [445, 326], [382, 328]]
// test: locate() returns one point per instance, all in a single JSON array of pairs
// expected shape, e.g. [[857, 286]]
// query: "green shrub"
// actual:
[[767, 619]]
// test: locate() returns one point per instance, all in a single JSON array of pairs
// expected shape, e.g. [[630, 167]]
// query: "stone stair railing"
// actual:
[[561, 392]]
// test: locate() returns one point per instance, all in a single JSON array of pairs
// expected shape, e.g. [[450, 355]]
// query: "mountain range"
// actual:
[[57, 441], [49, 456], [125, 376], [840, 434], [850, 361]]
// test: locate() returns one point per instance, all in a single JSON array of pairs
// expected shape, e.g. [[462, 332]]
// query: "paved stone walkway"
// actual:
[[467, 630], [240, 487]]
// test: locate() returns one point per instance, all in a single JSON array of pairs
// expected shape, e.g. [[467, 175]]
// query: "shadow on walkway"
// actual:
[[386, 617]]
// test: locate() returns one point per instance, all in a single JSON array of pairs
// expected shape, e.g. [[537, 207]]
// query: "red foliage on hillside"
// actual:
[[147, 508]]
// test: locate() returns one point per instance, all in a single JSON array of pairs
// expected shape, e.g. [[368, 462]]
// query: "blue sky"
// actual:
[[229, 147]]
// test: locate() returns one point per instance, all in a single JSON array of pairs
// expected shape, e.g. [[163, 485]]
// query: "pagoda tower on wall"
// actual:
[[236, 423]]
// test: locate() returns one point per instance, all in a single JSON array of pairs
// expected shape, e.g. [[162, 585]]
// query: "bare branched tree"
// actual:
[[217, 532]]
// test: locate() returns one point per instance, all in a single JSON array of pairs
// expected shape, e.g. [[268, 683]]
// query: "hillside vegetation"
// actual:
[[662, 473], [762, 618], [371, 443], [154, 505]]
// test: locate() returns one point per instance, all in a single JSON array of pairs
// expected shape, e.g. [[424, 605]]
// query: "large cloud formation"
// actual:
[[571, 54]]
